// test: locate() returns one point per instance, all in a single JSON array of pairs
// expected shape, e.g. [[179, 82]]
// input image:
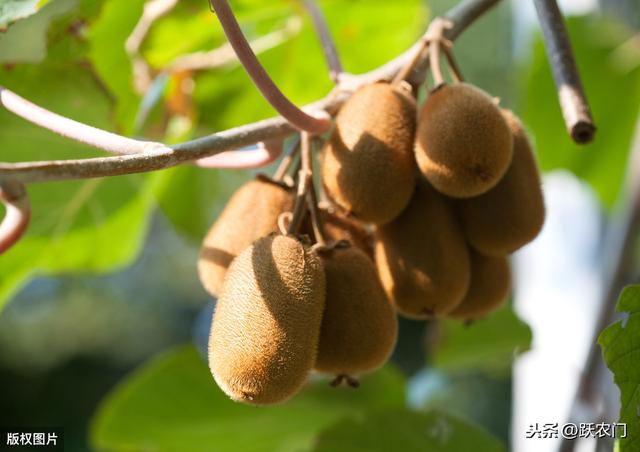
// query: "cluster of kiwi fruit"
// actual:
[[424, 208]]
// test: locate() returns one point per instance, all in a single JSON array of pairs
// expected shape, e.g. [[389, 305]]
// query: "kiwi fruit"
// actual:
[[359, 324], [489, 288], [368, 167], [265, 330], [511, 214], [422, 257], [251, 213], [463, 143]]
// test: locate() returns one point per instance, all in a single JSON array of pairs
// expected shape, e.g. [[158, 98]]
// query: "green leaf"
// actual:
[[406, 431], [615, 108], [26, 41], [207, 191], [620, 343], [173, 401], [13, 10], [92, 225], [107, 39], [489, 344]]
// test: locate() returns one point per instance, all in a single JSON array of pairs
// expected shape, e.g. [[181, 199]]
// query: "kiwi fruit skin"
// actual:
[[489, 288], [265, 330], [463, 143], [251, 213], [368, 166], [422, 257], [359, 324], [512, 213]]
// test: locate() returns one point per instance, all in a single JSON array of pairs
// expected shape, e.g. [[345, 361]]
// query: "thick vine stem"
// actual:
[[18, 213], [328, 45], [154, 156], [575, 108], [317, 124]]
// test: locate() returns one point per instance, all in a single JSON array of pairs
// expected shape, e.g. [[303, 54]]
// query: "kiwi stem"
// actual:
[[419, 55], [434, 63], [17, 215], [312, 198], [453, 65], [435, 36], [328, 45], [305, 182], [287, 160], [260, 78]]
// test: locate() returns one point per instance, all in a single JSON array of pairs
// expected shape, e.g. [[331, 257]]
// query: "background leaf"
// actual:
[[15, 47], [174, 401], [406, 431], [621, 346], [489, 344], [13, 10], [91, 225]]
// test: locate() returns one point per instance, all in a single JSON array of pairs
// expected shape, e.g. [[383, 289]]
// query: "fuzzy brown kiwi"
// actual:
[[422, 257], [368, 167], [489, 288], [359, 324], [511, 214], [251, 213], [265, 330], [463, 144]]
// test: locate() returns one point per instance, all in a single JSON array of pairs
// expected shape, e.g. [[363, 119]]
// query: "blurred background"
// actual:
[[106, 278]]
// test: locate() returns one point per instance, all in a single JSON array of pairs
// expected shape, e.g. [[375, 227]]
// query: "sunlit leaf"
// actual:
[[620, 343], [173, 401], [407, 431], [490, 343]]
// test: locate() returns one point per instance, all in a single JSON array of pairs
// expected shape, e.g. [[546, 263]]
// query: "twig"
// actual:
[[161, 156], [456, 73], [225, 55], [435, 37], [270, 91], [257, 156], [328, 45], [285, 164], [618, 265], [305, 181], [18, 213], [314, 211], [152, 11], [573, 101]]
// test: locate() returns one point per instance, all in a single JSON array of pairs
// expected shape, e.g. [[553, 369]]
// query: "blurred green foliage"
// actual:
[[171, 404]]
